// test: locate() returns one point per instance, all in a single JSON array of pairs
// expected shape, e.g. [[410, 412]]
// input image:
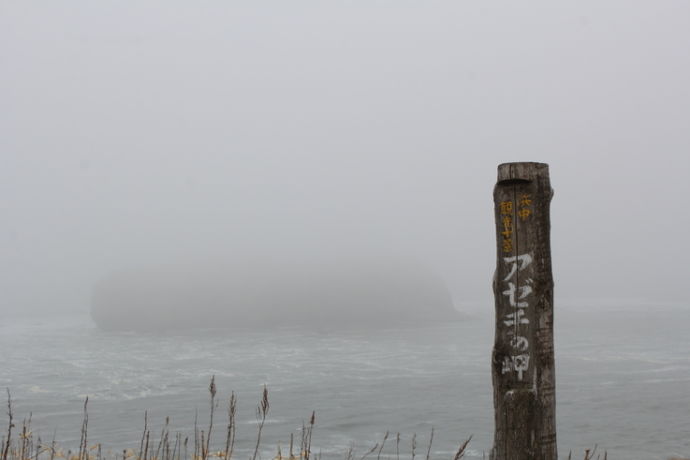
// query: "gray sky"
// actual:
[[133, 132]]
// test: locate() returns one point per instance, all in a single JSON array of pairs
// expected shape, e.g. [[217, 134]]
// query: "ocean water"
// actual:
[[623, 383]]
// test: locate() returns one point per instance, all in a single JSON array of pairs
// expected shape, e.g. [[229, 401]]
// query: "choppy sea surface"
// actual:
[[623, 383]]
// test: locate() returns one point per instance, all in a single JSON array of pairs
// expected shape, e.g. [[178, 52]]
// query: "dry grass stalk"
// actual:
[[10, 425], [230, 436], [383, 443], [370, 451], [212, 391], [143, 434], [261, 412], [310, 431], [146, 445], [349, 452], [164, 438], [431, 441], [196, 435], [589, 455], [83, 450], [461, 450], [52, 446]]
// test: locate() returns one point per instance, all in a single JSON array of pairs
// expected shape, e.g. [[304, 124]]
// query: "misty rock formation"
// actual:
[[271, 294]]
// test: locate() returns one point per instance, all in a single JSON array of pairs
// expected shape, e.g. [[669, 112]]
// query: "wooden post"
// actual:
[[523, 360]]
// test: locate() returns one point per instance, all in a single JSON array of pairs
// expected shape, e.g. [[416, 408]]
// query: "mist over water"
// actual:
[[620, 384]]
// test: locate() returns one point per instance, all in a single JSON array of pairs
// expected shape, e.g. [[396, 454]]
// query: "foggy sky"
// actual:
[[135, 132]]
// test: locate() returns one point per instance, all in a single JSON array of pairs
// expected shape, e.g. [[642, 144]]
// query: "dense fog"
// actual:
[[135, 134], [172, 164]]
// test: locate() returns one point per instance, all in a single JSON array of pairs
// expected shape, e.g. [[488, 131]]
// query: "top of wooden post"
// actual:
[[522, 171]]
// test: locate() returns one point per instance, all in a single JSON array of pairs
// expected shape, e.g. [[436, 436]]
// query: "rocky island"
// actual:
[[270, 294]]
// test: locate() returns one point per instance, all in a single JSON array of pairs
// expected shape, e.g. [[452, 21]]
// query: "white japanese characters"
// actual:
[[523, 261], [518, 292]]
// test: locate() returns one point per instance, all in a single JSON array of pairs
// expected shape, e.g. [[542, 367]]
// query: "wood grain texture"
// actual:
[[523, 359]]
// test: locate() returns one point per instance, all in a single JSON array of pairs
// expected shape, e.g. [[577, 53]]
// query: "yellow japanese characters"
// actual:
[[506, 208]]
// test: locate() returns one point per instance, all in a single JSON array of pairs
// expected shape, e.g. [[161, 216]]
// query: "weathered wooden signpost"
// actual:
[[523, 360]]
